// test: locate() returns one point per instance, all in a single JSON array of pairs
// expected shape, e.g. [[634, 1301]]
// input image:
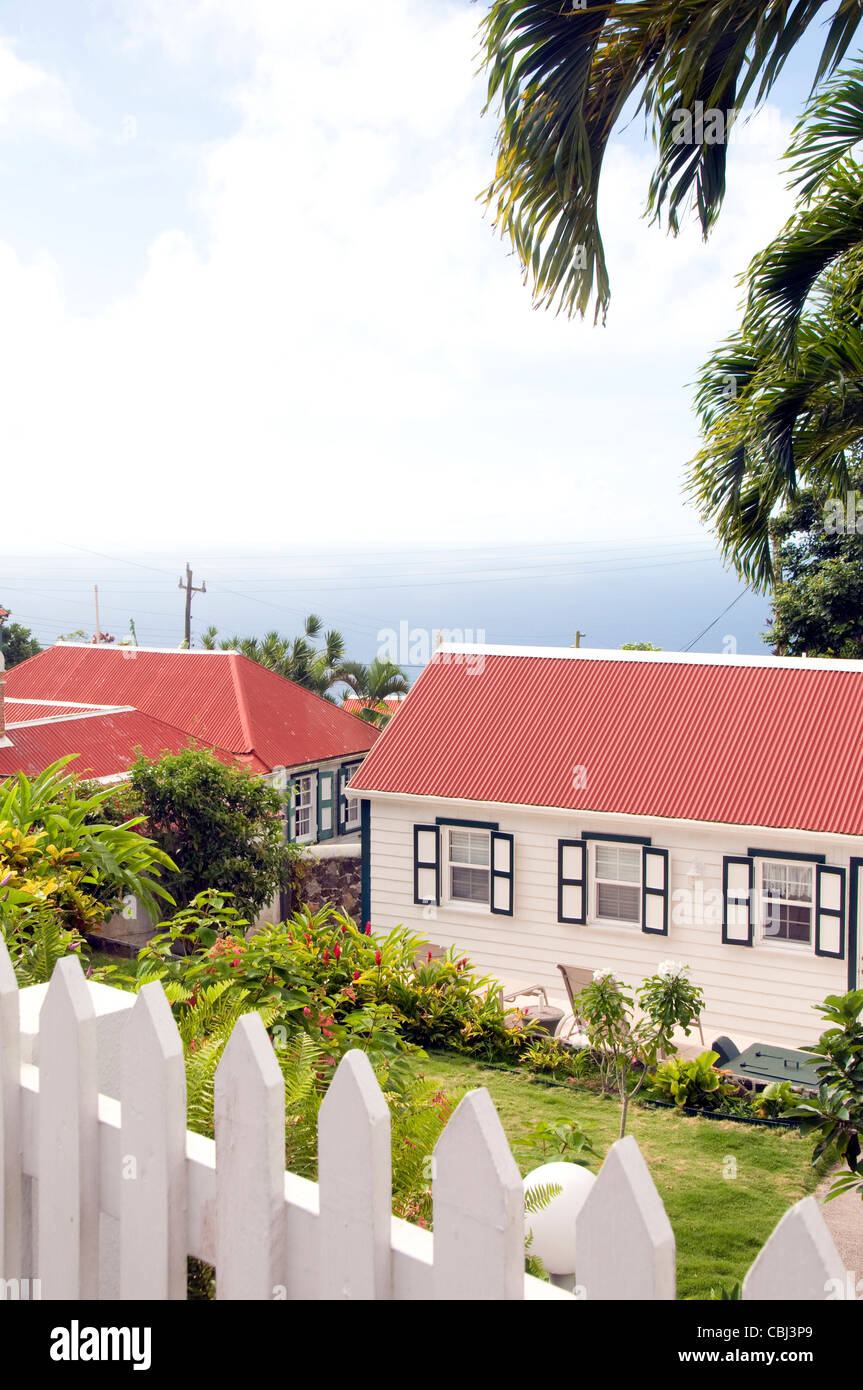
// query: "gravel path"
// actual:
[[844, 1218]]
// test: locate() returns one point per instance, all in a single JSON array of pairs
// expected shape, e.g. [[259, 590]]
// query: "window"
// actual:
[[617, 879], [303, 805], [786, 901], [469, 868], [352, 803]]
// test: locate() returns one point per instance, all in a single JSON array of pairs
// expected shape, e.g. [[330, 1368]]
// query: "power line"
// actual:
[[742, 593]]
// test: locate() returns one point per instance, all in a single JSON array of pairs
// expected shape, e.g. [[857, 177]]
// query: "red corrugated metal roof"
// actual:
[[390, 705], [763, 741], [22, 711], [105, 744], [221, 698]]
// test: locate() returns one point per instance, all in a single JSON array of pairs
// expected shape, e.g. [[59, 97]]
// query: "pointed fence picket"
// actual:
[[355, 1184], [624, 1244], [10, 1120], [68, 1138], [129, 1162], [478, 1207], [250, 1165], [153, 1145]]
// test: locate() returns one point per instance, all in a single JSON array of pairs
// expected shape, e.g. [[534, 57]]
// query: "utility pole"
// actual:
[[99, 636], [190, 589]]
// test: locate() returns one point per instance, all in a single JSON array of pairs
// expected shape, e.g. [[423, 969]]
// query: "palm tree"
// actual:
[[781, 401], [372, 684], [296, 658], [560, 73]]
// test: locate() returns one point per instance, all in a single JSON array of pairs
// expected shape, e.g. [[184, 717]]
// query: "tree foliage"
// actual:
[[780, 402], [818, 602], [835, 1114], [315, 668], [561, 73], [222, 826], [372, 684], [17, 643]]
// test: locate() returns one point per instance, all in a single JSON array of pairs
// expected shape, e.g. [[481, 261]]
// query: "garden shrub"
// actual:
[[58, 847], [626, 1046], [835, 1113], [776, 1101], [693, 1083]]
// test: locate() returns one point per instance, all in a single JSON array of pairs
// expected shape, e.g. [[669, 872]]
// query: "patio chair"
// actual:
[[541, 1015], [575, 977]]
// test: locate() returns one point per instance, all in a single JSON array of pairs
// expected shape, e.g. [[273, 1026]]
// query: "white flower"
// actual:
[[671, 969], [578, 1041], [600, 976]]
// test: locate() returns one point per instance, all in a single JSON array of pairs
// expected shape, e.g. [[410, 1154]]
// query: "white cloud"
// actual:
[[351, 354], [33, 101]]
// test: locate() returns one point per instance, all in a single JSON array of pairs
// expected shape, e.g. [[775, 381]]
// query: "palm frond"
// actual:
[[829, 129], [559, 79], [791, 268]]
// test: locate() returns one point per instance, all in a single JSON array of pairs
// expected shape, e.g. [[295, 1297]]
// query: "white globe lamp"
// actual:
[[554, 1226]]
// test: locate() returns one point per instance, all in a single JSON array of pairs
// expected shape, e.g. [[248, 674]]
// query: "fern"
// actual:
[[36, 943], [538, 1198]]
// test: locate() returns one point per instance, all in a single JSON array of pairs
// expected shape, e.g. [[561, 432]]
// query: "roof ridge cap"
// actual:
[[240, 695]]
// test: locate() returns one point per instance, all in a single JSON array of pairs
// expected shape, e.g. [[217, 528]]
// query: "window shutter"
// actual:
[[572, 881], [290, 799], [737, 886], [427, 864], [829, 911], [502, 847], [654, 891], [325, 805]]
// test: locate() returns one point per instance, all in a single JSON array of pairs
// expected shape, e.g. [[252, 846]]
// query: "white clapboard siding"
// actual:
[[766, 992], [130, 1162]]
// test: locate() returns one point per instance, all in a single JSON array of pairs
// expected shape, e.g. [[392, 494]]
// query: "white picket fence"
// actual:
[[105, 1195]]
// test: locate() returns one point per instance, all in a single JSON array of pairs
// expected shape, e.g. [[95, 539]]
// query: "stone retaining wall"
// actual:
[[331, 879]]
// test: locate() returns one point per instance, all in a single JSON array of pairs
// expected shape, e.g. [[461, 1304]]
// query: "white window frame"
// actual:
[[464, 904], [311, 779], [633, 923], [769, 938], [352, 803]]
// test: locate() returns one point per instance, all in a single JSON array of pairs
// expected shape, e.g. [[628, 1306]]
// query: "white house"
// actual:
[[606, 808]]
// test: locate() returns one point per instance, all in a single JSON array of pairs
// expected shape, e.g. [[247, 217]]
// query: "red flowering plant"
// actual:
[[317, 972], [443, 1003], [319, 982]]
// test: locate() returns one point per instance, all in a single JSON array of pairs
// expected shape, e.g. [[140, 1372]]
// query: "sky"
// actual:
[[252, 305]]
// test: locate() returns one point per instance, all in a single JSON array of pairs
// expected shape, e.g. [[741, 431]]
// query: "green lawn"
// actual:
[[123, 968], [719, 1223]]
